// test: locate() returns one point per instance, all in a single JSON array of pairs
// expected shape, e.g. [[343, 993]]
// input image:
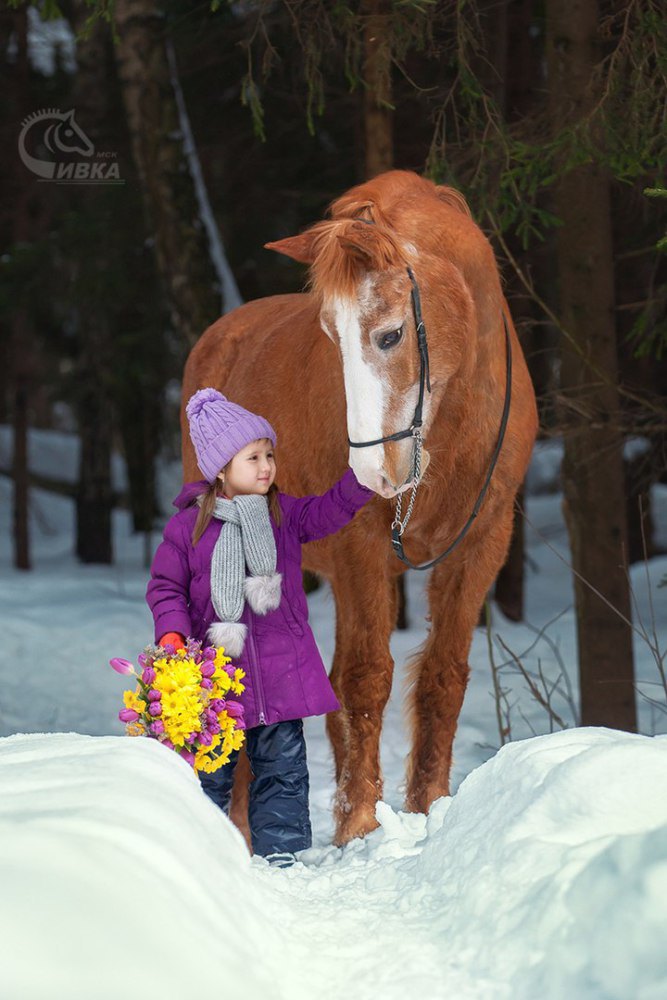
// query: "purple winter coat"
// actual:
[[285, 676]]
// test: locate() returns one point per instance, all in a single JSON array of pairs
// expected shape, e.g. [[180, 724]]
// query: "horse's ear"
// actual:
[[299, 247], [357, 241]]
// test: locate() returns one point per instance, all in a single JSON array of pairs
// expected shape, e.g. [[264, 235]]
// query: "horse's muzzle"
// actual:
[[408, 483]]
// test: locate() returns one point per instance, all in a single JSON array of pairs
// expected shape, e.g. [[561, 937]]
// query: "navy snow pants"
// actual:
[[278, 807]]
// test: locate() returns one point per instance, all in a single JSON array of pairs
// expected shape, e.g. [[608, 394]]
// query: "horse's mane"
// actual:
[[364, 232]]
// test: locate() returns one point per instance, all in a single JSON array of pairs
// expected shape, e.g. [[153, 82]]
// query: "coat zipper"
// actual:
[[257, 673]]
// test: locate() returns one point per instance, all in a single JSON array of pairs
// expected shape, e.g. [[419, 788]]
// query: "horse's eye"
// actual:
[[388, 340]]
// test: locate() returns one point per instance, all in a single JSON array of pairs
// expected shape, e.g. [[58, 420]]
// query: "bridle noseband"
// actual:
[[415, 431]]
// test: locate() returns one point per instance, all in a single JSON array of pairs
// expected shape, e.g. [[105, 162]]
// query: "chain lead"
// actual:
[[397, 523]]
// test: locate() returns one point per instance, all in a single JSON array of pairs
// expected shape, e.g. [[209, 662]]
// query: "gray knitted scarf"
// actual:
[[246, 539]]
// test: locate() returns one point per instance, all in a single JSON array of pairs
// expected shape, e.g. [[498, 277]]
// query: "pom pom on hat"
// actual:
[[197, 402], [220, 428]]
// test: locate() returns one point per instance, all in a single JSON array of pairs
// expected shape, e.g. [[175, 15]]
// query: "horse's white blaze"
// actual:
[[365, 393]]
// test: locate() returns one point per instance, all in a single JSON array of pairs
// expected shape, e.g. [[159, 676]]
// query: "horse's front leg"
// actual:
[[361, 675], [438, 676]]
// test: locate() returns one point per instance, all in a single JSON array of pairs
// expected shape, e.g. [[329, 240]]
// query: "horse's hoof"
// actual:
[[353, 825]]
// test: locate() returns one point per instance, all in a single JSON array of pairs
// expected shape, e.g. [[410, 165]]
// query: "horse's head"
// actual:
[[359, 273]]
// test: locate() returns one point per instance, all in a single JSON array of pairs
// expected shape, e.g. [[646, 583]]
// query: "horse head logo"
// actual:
[[52, 133]]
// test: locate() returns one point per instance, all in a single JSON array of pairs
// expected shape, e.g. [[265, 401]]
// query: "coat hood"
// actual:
[[189, 493]]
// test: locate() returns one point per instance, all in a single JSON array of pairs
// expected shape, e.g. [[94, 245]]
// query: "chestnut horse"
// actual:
[[360, 378]]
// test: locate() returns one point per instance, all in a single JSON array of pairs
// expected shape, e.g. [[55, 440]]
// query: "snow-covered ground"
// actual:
[[544, 876]]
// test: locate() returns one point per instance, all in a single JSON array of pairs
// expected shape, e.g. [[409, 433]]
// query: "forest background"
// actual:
[[220, 126]]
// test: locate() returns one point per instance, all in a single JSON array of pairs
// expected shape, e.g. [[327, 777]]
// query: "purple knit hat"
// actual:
[[219, 429]]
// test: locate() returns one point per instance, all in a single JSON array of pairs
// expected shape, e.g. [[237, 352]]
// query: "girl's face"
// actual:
[[252, 470]]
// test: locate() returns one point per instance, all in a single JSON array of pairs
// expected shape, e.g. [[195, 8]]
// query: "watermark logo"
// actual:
[[53, 146]]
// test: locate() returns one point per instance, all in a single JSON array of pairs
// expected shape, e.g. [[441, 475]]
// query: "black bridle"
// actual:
[[415, 431], [424, 379]]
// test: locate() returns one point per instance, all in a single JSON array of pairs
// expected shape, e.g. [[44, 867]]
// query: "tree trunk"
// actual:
[[506, 76], [181, 244], [20, 335], [94, 498], [378, 112], [94, 502], [509, 591], [20, 475], [593, 477]]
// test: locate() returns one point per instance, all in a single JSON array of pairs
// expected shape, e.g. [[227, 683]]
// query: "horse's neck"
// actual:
[[465, 426]]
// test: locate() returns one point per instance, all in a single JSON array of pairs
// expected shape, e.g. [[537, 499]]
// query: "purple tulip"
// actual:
[[205, 738], [192, 737], [142, 659], [207, 683], [234, 709], [209, 653], [148, 675], [128, 715], [214, 728], [207, 668], [122, 666], [188, 755], [154, 695], [168, 744], [157, 727], [218, 705], [155, 708]]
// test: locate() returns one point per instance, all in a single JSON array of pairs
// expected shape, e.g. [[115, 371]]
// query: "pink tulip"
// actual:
[[207, 683], [157, 727], [234, 709], [154, 695], [218, 705], [142, 659], [155, 708], [168, 744], [128, 715], [148, 675], [209, 653], [122, 666], [207, 668], [189, 756]]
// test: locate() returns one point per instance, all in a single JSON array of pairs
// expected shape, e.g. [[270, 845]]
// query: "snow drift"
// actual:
[[546, 875]]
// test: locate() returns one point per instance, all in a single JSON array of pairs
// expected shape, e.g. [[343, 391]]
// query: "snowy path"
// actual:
[[545, 875]]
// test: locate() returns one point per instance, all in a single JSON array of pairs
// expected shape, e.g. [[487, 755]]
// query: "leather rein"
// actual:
[[399, 525]]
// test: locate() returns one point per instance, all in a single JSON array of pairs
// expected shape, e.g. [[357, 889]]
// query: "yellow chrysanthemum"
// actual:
[[236, 685], [220, 658], [132, 700]]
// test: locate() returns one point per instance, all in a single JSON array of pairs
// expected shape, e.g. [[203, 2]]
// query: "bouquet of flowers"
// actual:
[[181, 699]]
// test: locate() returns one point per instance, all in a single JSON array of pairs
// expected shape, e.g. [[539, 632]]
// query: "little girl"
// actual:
[[229, 572]]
